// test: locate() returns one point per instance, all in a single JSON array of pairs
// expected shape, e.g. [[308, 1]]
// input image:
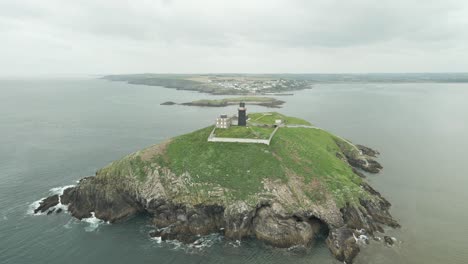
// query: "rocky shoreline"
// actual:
[[270, 220]]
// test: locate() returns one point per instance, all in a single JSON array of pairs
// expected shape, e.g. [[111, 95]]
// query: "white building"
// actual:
[[223, 121]]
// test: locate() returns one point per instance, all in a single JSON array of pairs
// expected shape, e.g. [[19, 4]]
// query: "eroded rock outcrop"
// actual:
[[47, 203], [342, 244]]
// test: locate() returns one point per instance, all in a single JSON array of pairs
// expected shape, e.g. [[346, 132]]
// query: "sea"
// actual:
[[54, 131]]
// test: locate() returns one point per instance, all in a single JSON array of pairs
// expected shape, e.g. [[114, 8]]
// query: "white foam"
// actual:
[[293, 248], [93, 222], [199, 245], [205, 241], [57, 190], [176, 243], [157, 239], [361, 239], [60, 190], [33, 207]]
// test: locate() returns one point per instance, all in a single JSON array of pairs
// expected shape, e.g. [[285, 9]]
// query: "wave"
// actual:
[[202, 243], [57, 190], [93, 222]]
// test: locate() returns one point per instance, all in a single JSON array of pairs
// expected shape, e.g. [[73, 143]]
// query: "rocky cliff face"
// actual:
[[282, 217]]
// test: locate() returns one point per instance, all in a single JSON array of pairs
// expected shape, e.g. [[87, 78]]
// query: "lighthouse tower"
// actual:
[[242, 115]]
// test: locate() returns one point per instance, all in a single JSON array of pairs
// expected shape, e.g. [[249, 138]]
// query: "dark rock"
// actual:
[[368, 151], [168, 103], [177, 231], [369, 214], [107, 199], [206, 219], [47, 203], [389, 241], [59, 211], [183, 223], [238, 221], [379, 213], [274, 227], [358, 173], [65, 197], [371, 165], [50, 211], [342, 244]]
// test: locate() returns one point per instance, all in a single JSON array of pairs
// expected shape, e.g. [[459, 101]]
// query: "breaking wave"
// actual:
[[57, 190]]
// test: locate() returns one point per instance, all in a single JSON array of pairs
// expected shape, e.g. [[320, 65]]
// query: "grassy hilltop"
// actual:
[[240, 170]]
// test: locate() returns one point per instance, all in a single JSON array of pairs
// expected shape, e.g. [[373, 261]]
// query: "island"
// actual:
[[262, 101], [168, 103], [233, 84], [268, 176]]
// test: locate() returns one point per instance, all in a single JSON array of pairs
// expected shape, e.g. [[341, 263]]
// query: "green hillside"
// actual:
[[308, 154]]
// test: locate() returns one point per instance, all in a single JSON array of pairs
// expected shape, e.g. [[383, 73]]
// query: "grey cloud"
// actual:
[[203, 33]]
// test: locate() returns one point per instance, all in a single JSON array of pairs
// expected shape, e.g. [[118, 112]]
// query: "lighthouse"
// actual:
[[242, 121]]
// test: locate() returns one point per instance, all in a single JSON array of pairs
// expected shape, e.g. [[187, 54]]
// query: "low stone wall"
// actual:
[[239, 140], [212, 138]]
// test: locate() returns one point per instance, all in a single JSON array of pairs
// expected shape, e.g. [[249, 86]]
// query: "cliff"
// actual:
[[306, 184]]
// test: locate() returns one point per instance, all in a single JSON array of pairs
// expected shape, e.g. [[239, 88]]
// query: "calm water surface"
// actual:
[[53, 132]]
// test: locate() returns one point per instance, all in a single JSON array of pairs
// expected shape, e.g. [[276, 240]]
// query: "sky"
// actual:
[[60, 37]]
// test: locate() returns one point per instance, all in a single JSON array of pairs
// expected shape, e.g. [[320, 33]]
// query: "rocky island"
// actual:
[[306, 186]]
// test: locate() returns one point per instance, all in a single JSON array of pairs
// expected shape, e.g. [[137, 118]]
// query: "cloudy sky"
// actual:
[[257, 36]]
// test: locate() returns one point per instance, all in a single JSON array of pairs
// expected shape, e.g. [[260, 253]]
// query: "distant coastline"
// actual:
[[275, 84]]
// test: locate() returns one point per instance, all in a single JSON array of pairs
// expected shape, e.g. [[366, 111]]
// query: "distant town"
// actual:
[[251, 85], [275, 84]]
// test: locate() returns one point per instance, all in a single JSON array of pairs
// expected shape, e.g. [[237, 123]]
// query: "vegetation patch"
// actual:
[[252, 100], [271, 117], [244, 132]]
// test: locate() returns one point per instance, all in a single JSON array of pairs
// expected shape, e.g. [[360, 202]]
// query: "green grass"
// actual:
[[245, 132], [131, 165], [250, 99], [238, 167], [269, 119], [311, 153]]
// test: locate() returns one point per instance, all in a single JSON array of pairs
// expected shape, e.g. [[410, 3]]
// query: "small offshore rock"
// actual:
[[59, 211], [168, 103], [50, 211], [389, 240]]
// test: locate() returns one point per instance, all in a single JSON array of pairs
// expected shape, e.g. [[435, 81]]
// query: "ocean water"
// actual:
[[54, 132]]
